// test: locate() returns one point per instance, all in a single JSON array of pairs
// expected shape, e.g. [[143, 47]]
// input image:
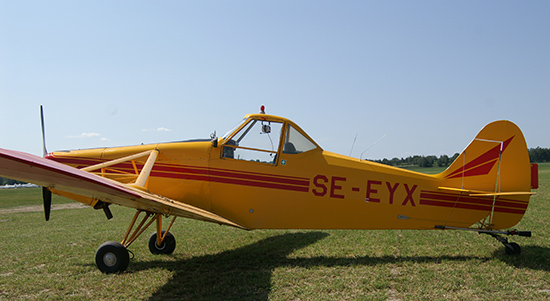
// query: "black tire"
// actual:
[[167, 247], [112, 257], [512, 248]]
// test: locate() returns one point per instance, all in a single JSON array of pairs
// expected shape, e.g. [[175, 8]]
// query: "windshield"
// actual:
[[257, 141], [296, 143], [233, 129]]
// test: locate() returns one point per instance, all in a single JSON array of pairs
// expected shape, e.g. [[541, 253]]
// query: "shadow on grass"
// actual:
[[245, 273], [531, 257]]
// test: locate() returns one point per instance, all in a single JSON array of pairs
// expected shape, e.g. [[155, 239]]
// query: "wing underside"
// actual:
[[79, 185]]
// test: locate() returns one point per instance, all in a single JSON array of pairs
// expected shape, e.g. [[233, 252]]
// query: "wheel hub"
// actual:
[[109, 259]]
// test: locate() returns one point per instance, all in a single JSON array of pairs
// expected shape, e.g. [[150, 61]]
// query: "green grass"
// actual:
[[55, 260], [10, 198]]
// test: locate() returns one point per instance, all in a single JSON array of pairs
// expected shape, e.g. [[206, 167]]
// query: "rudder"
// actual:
[[496, 161]]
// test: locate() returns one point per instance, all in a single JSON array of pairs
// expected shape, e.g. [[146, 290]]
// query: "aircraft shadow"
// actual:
[[531, 257], [245, 273], [240, 274]]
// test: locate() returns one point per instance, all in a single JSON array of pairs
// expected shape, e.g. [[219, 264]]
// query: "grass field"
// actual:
[[55, 260]]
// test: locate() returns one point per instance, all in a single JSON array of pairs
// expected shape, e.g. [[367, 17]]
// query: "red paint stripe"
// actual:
[[259, 184], [463, 202], [233, 174], [205, 174], [78, 161], [490, 155], [477, 171], [236, 181], [471, 207], [472, 200]]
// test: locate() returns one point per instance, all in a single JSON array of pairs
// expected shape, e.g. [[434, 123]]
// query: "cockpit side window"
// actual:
[[296, 143], [257, 141]]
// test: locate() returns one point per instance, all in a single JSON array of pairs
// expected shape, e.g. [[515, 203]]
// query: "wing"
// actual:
[[76, 183]]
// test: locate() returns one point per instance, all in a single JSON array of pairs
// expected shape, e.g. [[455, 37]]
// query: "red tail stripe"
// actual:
[[491, 154], [470, 206], [472, 200], [477, 171]]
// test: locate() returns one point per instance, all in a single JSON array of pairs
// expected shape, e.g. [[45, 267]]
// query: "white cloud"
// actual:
[[86, 135], [160, 129]]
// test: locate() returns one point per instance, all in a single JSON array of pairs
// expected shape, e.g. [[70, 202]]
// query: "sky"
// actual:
[[424, 76]]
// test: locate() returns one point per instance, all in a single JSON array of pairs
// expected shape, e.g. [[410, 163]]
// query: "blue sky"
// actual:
[[426, 74]]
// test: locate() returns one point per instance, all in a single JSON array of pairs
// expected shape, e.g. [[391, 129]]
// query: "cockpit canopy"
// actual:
[[260, 138]]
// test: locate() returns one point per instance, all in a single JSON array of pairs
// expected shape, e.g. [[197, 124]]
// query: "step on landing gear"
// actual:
[[114, 257]]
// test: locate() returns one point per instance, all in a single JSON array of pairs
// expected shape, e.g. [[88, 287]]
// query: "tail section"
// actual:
[[494, 174]]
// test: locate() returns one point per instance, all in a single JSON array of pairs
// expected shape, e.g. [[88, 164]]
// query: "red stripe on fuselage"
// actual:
[[432, 198], [197, 173]]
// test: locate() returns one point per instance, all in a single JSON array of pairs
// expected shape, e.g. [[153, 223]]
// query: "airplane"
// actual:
[[267, 173]]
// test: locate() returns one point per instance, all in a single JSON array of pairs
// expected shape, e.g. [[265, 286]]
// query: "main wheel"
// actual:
[[112, 257], [167, 246], [512, 248]]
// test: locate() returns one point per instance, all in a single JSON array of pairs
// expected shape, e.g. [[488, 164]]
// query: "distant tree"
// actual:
[[539, 154], [443, 161], [425, 162], [5, 181]]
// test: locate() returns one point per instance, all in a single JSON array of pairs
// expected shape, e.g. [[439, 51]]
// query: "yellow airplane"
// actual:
[[267, 173]]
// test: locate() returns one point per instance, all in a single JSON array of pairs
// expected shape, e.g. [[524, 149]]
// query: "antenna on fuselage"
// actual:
[[353, 144], [361, 157]]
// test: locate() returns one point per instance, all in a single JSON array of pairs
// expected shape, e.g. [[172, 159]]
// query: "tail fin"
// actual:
[[495, 170]]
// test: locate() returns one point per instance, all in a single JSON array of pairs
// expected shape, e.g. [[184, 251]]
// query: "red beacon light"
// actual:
[[262, 109]]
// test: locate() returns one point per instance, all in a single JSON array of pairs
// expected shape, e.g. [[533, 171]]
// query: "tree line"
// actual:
[[421, 161], [539, 154], [4, 181], [536, 155]]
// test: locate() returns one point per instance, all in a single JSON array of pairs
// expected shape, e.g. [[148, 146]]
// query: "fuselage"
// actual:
[[281, 179]]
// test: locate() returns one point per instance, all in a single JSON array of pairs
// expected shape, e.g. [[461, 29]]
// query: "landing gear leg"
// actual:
[[510, 248], [167, 246], [162, 242], [113, 257]]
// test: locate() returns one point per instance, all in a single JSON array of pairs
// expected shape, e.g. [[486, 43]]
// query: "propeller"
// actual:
[[44, 150], [47, 197], [46, 193]]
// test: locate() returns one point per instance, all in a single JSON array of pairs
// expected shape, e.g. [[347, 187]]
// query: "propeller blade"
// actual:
[[45, 151], [47, 197]]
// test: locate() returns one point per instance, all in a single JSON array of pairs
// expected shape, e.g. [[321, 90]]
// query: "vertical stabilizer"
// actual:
[[495, 162]]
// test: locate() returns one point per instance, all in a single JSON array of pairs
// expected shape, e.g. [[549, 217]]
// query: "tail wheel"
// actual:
[[167, 246], [112, 257], [512, 248]]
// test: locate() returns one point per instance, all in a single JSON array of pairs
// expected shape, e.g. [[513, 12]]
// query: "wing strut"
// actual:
[[146, 170]]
